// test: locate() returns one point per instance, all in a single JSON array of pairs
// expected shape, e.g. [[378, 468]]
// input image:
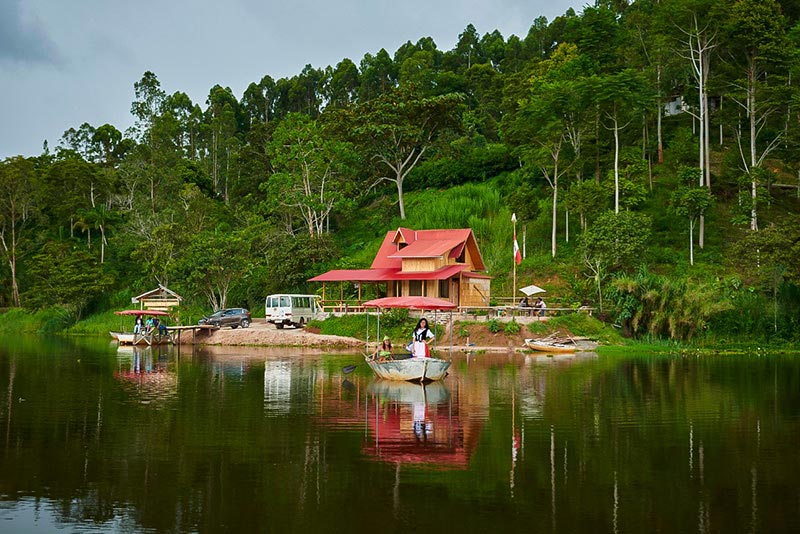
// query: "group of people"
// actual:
[[539, 306], [152, 324], [421, 338]]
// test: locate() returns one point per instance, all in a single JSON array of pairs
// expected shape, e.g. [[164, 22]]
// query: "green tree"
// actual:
[[65, 276], [614, 241], [692, 203], [17, 206], [398, 128], [311, 176]]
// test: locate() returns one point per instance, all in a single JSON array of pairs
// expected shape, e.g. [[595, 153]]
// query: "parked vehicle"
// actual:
[[233, 317], [293, 310]]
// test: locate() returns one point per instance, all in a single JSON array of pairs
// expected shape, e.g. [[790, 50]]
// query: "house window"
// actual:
[[444, 289], [416, 288], [398, 288]]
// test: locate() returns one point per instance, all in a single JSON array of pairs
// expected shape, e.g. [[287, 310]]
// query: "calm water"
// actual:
[[245, 440]]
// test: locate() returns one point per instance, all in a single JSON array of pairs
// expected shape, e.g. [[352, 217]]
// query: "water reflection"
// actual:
[[416, 424], [246, 439]]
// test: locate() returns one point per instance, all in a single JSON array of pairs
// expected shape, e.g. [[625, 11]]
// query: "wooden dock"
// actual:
[[195, 328]]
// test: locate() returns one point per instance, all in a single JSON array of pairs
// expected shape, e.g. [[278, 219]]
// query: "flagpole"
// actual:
[[514, 259]]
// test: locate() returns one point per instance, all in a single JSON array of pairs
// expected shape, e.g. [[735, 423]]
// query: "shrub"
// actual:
[[511, 328], [493, 325]]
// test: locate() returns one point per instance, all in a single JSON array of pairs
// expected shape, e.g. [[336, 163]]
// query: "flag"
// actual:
[[517, 255]]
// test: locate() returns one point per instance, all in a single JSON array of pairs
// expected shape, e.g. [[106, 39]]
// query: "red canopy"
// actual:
[[141, 312], [417, 303]]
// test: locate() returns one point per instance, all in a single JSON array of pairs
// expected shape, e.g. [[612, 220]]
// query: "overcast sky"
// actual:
[[66, 62]]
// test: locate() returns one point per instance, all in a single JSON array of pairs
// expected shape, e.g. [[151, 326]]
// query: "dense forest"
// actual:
[[651, 147]]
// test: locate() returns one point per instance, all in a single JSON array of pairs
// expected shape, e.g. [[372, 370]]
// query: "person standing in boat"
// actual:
[[422, 337]]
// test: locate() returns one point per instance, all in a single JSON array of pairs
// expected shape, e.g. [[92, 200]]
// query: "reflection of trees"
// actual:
[[668, 435]]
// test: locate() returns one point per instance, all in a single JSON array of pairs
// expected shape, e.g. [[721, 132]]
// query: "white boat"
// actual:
[[549, 346], [412, 369], [129, 338]]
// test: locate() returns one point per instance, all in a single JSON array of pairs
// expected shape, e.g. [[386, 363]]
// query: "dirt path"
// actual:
[[264, 334]]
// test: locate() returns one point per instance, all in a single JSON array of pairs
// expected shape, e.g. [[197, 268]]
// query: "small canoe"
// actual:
[[411, 369], [549, 346]]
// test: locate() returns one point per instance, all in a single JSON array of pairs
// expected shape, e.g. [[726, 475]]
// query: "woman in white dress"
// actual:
[[422, 336]]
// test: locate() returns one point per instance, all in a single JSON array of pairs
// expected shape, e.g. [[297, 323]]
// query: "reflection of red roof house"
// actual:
[[439, 442], [445, 264]]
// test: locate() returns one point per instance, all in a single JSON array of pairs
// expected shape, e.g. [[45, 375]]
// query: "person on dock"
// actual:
[[138, 326], [422, 336]]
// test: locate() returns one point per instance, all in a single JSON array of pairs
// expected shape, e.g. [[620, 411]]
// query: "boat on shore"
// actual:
[[410, 369], [549, 346]]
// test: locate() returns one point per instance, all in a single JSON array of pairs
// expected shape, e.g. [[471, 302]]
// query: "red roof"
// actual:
[[355, 275], [424, 244], [386, 275], [427, 248], [388, 263], [417, 303]]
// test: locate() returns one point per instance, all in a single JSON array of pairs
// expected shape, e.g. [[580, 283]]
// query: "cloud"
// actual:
[[21, 38]]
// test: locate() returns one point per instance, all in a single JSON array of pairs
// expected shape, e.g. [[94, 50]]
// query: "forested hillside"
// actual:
[[649, 149]]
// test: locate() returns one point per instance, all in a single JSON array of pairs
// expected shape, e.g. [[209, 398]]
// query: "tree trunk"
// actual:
[[751, 109]]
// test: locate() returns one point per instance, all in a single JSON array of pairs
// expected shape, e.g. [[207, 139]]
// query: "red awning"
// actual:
[[386, 275], [416, 303], [141, 312]]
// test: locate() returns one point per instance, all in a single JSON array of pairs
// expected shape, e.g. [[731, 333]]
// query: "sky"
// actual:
[[66, 62]]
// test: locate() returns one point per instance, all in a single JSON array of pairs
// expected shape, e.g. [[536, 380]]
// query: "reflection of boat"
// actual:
[[414, 369], [548, 346], [433, 393], [416, 424]]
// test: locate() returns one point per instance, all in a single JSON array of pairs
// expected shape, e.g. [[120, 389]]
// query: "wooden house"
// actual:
[[445, 264], [160, 299]]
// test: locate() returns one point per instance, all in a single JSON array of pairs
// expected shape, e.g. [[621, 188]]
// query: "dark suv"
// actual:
[[233, 317]]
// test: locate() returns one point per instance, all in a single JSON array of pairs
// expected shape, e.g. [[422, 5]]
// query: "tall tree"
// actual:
[[398, 128], [757, 38], [311, 171], [17, 205]]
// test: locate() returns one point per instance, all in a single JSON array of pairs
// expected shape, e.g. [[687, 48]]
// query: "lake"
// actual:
[[96, 439]]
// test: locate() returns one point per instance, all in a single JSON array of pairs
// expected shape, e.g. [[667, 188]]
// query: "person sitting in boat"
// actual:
[[148, 325], [384, 351], [422, 337], [138, 326], [540, 306]]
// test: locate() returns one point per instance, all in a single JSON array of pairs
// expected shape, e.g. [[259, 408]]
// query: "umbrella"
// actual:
[[532, 290], [141, 312]]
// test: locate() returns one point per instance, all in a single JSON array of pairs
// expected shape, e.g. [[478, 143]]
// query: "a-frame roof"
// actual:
[[426, 244]]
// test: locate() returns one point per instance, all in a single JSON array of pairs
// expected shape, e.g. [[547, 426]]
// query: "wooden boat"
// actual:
[[410, 369], [549, 346]]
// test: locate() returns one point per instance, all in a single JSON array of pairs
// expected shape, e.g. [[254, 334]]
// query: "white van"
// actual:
[[294, 310]]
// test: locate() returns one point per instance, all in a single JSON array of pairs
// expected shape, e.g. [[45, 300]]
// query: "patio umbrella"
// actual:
[[532, 290]]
